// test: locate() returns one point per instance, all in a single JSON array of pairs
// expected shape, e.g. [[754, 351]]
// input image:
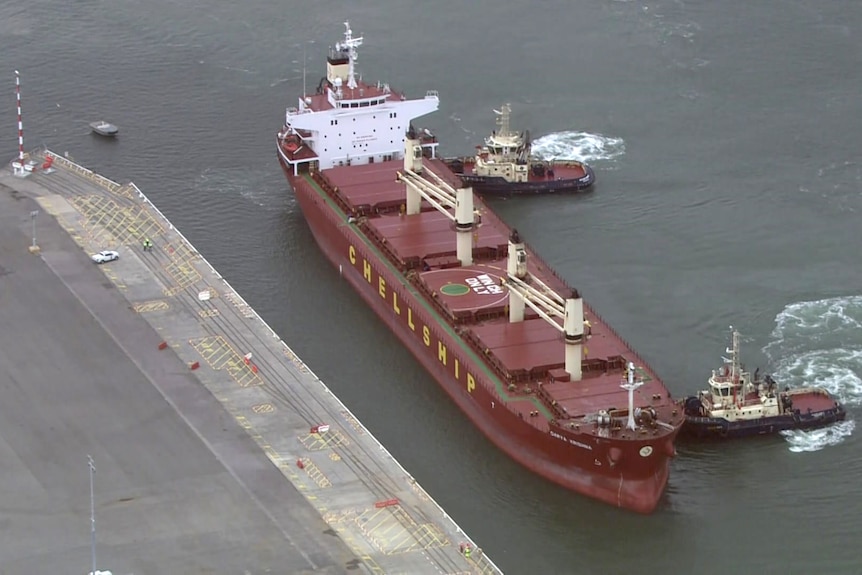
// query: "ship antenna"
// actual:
[[304, 91], [351, 44], [734, 367], [503, 120]]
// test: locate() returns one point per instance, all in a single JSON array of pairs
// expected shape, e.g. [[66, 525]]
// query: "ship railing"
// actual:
[[332, 192], [294, 111], [433, 298], [383, 246], [98, 179], [37, 152], [485, 355], [558, 410]]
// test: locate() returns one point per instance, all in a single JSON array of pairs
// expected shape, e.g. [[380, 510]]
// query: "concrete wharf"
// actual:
[[312, 489]]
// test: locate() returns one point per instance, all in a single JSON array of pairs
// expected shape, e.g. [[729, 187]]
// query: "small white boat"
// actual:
[[104, 128]]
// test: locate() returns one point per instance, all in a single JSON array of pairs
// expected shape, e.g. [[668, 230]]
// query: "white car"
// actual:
[[105, 256]]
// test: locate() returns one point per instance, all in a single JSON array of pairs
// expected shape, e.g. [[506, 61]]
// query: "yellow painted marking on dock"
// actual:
[[353, 422], [430, 536], [295, 360], [126, 225], [273, 455], [239, 304], [312, 471], [171, 291], [483, 565], [243, 421], [372, 564], [393, 531], [334, 456], [242, 373], [209, 346], [263, 408], [211, 312], [149, 306], [219, 354], [181, 251], [114, 278], [417, 489], [183, 273], [315, 473], [326, 440], [337, 517], [125, 191]]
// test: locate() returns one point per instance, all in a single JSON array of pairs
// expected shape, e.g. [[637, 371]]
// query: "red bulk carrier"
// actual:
[[532, 366]]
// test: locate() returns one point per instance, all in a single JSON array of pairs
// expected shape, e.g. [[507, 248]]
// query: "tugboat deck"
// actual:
[[806, 400], [562, 170]]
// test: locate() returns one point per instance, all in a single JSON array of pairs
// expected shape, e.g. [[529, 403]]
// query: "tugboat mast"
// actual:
[[734, 369]]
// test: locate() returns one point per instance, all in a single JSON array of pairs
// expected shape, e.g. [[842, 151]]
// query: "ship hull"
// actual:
[[499, 186], [628, 474], [700, 427]]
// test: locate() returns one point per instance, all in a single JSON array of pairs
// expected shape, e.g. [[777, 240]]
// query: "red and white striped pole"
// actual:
[[20, 124]]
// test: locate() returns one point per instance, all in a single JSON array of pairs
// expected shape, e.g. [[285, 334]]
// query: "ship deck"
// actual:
[[141, 363], [525, 353], [562, 170], [806, 400], [319, 101]]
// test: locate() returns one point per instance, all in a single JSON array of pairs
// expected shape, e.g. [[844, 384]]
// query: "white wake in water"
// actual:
[[250, 185], [819, 343], [817, 439], [578, 146]]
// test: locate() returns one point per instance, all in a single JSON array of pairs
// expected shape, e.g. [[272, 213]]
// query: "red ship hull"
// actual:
[[630, 473]]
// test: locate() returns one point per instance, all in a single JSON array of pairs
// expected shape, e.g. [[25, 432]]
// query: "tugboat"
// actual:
[[738, 404], [505, 166]]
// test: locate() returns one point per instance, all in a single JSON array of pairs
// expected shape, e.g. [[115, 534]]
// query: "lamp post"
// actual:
[[92, 514], [34, 248]]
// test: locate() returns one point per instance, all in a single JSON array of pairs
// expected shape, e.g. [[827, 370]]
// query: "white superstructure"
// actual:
[[348, 122]]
